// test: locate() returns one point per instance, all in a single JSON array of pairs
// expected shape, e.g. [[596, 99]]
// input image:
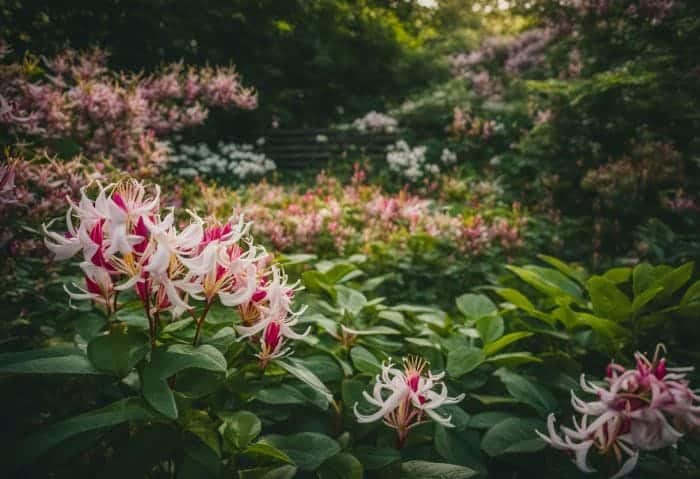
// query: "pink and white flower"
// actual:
[[405, 397], [640, 409]]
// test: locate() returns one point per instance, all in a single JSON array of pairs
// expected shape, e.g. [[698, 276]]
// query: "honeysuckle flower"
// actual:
[[127, 244], [272, 343], [98, 286], [604, 433], [405, 397], [641, 409]]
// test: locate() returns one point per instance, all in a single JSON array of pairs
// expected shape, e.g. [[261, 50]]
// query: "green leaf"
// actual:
[[75, 363], [338, 272], [475, 306], [463, 359], [486, 420], [341, 466], [458, 447], [490, 328], [315, 281], [642, 278], [350, 300], [297, 369], [201, 425], [513, 435], [692, 294], [516, 298], [264, 451], [435, 470], [364, 361], [129, 409], [272, 472], [511, 360], [308, 450], [240, 428], [577, 274], [282, 394], [528, 392], [674, 280], [505, 341], [550, 282], [645, 297], [118, 352], [166, 362], [608, 301], [376, 457], [618, 275], [324, 367], [605, 327]]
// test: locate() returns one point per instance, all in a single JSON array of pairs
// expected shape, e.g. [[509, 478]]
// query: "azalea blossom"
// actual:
[[640, 409], [407, 397]]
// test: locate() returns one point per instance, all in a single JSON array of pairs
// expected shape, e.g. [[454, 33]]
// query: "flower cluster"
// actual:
[[343, 219], [464, 124], [640, 409], [517, 55], [228, 161], [407, 397], [374, 122], [410, 162], [75, 96], [127, 243]]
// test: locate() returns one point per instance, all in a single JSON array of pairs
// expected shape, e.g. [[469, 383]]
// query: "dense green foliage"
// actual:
[[523, 248]]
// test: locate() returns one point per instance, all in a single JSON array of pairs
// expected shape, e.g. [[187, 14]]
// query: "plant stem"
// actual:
[[199, 322]]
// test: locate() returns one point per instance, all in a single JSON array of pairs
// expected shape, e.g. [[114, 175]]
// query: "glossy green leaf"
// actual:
[[475, 306], [166, 362], [504, 341], [608, 300], [297, 369], [126, 410], [490, 328], [364, 361], [435, 470], [240, 428], [528, 392], [513, 435], [463, 359], [308, 450], [118, 352], [376, 457], [341, 466]]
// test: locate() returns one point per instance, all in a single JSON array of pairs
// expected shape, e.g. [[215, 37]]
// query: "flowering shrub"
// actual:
[[229, 161], [74, 96], [342, 219], [630, 414], [649, 167], [375, 122]]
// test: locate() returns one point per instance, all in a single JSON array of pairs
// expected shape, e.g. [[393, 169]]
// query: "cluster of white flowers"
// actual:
[[228, 160], [448, 157], [411, 163], [375, 122]]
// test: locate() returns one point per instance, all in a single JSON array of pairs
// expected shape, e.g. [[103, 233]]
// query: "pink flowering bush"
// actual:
[[343, 219], [74, 96]]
